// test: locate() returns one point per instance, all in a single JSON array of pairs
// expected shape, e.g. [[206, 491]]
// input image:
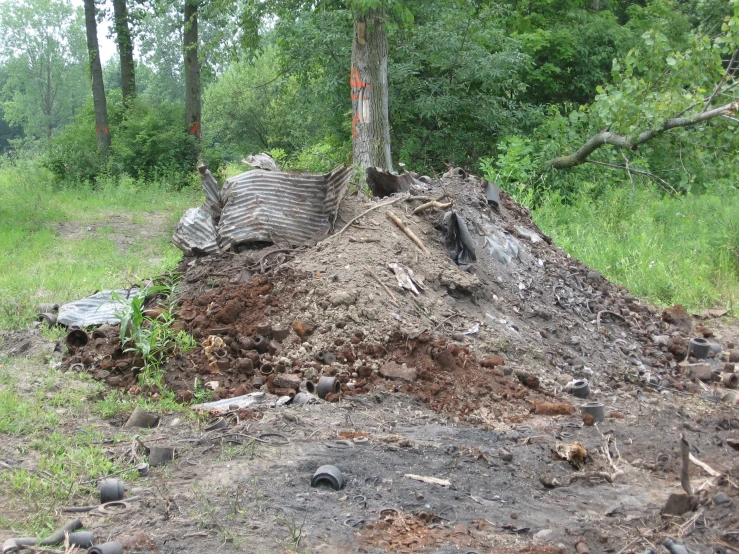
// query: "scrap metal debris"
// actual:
[[100, 308], [262, 206]]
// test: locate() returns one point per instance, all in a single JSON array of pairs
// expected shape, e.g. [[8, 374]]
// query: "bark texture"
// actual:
[[125, 50], [96, 72], [370, 122], [192, 70], [621, 141]]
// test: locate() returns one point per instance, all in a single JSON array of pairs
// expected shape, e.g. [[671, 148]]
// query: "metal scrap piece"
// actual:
[[270, 206], [102, 307]]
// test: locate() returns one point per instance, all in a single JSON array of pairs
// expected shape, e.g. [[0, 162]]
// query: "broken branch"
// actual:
[[411, 235], [432, 205], [623, 141], [705, 467]]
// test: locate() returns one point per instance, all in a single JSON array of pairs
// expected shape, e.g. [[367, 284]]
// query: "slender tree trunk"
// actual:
[[125, 50], [370, 122], [96, 72], [192, 70]]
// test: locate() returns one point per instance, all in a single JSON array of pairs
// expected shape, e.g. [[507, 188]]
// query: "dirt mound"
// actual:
[[373, 309]]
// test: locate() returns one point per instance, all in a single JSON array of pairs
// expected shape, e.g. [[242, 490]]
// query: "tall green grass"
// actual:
[[666, 250], [37, 264]]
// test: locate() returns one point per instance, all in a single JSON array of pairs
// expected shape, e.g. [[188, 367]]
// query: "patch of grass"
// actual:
[[117, 402], [40, 265], [663, 249], [57, 459]]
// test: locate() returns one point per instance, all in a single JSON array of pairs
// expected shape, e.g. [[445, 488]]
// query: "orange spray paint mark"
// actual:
[[358, 87], [195, 129]]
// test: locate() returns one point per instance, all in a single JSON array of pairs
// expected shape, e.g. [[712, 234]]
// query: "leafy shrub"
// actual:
[[151, 143], [148, 143]]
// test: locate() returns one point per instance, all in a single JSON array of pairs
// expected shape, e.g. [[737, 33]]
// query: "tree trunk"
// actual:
[[96, 72], [192, 70], [125, 50], [370, 122]]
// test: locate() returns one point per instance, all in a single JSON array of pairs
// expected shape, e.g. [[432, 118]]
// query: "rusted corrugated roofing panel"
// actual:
[[270, 206]]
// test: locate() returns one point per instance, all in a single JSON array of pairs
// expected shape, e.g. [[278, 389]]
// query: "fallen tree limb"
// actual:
[[411, 235], [622, 141]]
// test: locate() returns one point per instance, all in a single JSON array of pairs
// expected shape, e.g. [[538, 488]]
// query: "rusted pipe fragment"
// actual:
[[261, 344], [142, 418], [111, 489], [58, 536], [82, 539], [76, 338], [160, 455], [327, 385], [47, 317], [730, 380]]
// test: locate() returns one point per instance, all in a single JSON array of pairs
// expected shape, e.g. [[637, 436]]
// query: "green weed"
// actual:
[[666, 250]]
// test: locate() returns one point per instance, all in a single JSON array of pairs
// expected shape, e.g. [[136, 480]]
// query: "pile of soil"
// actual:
[[473, 337]]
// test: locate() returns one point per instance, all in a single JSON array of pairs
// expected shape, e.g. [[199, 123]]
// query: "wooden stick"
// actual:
[[433, 204], [704, 466], [377, 206], [383, 285], [411, 235], [685, 455]]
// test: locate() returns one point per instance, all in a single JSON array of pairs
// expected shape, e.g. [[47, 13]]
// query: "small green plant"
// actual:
[[201, 393], [515, 168], [295, 530], [152, 338]]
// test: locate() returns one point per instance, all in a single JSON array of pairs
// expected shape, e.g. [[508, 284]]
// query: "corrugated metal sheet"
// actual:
[[263, 206], [269, 206], [97, 309], [195, 233]]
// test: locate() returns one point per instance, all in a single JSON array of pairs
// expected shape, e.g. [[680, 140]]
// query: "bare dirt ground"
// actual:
[[122, 228], [466, 381]]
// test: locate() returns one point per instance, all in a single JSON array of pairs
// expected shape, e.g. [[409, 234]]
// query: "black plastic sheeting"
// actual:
[[458, 238]]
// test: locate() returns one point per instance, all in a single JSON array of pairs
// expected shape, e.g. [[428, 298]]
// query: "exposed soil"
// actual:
[[119, 227], [466, 381]]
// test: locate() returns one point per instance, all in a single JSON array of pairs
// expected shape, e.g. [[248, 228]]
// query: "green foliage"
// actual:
[[456, 93], [515, 169], [48, 256], [43, 50], [148, 143], [571, 45], [152, 338]]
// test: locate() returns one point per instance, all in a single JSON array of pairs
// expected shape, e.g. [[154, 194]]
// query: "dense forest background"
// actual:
[[500, 88]]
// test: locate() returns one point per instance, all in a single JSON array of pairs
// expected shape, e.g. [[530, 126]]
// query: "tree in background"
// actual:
[[43, 52], [100, 104], [193, 103], [369, 84], [124, 41]]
